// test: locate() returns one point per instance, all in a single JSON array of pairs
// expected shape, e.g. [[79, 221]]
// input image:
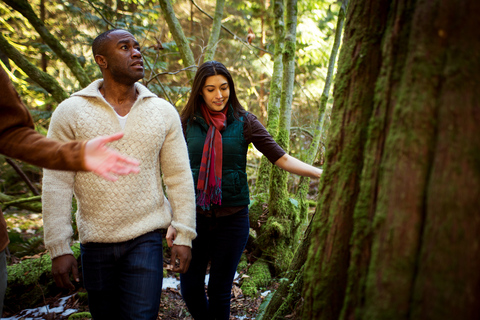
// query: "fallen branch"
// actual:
[[32, 203], [22, 175]]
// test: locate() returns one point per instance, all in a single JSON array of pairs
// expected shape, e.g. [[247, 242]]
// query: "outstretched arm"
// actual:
[[293, 165], [18, 139]]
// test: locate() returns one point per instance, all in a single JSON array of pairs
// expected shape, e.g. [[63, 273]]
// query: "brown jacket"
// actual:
[[18, 139]]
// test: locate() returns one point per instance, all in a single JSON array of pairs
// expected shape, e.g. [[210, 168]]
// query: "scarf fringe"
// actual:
[[212, 195]]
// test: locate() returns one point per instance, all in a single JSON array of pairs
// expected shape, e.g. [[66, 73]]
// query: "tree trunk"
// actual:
[[45, 80], [318, 136], [295, 273], [397, 234], [273, 109], [215, 31], [179, 37], [70, 60], [279, 234]]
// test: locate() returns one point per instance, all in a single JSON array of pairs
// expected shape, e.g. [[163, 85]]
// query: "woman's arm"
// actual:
[[293, 165]]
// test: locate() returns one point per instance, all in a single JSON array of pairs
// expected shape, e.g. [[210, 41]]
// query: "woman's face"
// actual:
[[215, 92]]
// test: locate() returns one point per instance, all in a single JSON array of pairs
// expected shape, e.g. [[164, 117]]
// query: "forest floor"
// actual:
[[62, 305], [171, 306]]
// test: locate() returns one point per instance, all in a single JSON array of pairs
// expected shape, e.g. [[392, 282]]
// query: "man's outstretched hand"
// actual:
[[107, 162]]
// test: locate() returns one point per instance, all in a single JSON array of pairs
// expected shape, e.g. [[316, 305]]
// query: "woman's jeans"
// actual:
[[221, 241], [124, 280]]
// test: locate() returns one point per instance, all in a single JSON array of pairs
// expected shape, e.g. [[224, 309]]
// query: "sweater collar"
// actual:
[[92, 90]]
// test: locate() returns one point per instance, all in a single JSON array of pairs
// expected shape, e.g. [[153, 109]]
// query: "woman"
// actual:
[[218, 131]]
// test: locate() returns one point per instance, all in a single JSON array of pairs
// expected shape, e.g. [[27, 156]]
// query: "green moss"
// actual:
[[82, 297], [243, 263], [258, 276], [28, 282], [80, 316], [29, 270]]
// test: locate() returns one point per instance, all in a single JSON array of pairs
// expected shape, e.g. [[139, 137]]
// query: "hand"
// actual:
[[184, 255], [107, 162], [61, 267], [171, 235]]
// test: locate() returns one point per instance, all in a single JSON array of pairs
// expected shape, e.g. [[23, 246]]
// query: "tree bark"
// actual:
[[280, 232], [45, 80], [358, 67], [397, 234], [179, 37], [273, 109], [215, 31], [70, 60]]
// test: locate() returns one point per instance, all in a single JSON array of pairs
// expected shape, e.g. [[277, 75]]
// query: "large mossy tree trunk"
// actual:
[[396, 233]]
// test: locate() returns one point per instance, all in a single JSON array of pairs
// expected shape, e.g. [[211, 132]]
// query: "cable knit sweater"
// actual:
[[135, 204]]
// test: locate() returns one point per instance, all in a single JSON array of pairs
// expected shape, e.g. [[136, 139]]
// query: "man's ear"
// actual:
[[101, 61]]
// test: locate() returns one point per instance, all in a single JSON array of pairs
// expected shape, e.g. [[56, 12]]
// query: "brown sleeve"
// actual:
[[256, 133], [19, 140]]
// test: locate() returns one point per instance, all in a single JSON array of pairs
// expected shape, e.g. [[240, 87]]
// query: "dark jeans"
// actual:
[[220, 241], [124, 280]]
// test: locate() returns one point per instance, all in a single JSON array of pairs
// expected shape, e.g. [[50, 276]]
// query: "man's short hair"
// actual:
[[98, 45]]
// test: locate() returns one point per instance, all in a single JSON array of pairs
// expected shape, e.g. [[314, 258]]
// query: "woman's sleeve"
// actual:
[[256, 133]]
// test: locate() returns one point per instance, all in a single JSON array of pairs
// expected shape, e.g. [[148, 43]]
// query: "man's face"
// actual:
[[123, 56]]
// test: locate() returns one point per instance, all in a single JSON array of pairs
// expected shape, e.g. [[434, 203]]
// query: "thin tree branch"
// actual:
[[22, 175], [235, 37], [169, 72], [101, 14]]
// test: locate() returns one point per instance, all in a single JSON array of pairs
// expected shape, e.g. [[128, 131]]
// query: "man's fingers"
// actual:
[[171, 236], [75, 273], [184, 255], [173, 260], [110, 138], [61, 268]]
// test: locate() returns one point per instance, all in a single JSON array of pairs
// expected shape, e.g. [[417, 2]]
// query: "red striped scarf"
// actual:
[[209, 185]]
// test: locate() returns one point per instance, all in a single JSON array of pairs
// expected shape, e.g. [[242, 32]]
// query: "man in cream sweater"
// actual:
[[119, 222]]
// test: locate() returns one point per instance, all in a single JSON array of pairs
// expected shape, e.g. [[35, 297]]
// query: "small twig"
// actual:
[[160, 84], [101, 14], [170, 72], [23, 176]]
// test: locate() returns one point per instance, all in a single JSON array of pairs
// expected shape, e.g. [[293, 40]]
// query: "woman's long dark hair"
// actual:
[[208, 69]]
